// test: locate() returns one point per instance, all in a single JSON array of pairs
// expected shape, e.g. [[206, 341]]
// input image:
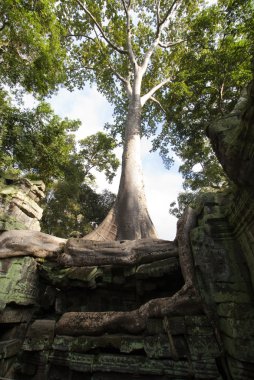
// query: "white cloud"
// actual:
[[87, 105], [161, 190], [197, 168], [29, 101], [162, 187]]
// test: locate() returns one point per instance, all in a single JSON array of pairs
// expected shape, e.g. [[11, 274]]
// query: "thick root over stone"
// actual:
[[186, 301]]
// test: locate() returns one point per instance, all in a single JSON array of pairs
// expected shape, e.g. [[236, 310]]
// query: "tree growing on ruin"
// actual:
[[128, 48]]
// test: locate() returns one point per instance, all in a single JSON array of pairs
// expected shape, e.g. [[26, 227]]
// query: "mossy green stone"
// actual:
[[235, 328], [236, 310], [18, 281]]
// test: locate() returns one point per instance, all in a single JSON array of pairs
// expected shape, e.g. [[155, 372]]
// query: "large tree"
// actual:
[[126, 47], [133, 50]]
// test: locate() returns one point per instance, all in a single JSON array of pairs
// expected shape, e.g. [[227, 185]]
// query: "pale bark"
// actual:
[[85, 253], [16, 243], [129, 219], [149, 95], [131, 212]]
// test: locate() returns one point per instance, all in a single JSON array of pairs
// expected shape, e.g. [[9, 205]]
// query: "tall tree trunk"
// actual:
[[132, 217], [129, 218]]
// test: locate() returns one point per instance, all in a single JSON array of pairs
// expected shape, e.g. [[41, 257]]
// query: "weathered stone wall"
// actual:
[[232, 139], [83, 310], [128, 333], [19, 207], [222, 249]]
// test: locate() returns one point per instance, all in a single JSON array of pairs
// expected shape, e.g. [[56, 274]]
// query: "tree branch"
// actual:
[[119, 76], [160, 26], [166, 17], [3, 25], [158, 102], [170, 44], [110, 43], [158, 9], [89, 67], [125, 8], [81, 36], [148, 54], [149, 94], [129, 44], [125, 81], [73, 69]]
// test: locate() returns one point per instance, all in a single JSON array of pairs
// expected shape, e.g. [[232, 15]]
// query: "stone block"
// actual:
[[241, 349], [40, 335], [236, 328], [9, 348], [16, 315], [18, 281], [236, 310]]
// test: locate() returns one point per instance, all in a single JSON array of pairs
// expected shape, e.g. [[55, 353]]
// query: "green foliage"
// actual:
[[96, 152], [183, 200], [208, 69], [72, 204], [45, 42], [64, 215], [94, 60], [34, 142], [212, 71], [39, 144], [31, 54]]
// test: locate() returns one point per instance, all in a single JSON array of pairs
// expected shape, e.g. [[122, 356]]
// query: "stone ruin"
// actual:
[[147, 309], [19, 207]]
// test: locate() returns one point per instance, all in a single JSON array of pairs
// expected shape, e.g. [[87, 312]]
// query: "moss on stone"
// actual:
[[18, 281]]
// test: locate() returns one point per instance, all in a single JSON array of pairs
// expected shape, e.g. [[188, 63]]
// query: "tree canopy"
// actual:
[[75, 209], [34, 142], [105, 38], [189, 59], [72, 205], [38, 144], [212, 72], [31, 53], [97, 152], [203, 57]]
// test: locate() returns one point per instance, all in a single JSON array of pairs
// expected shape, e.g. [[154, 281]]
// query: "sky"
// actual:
[[161, 185]]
